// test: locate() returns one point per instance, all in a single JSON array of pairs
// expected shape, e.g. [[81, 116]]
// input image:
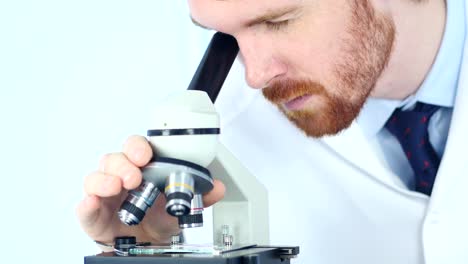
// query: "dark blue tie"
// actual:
[[410, 128]]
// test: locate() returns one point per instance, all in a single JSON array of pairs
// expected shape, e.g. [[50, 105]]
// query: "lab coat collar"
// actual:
[[353, 146]]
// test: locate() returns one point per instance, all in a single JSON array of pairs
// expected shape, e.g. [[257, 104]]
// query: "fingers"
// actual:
[[136, 153], [138, 150], [88, 210], [102, 185], [117, 164], [120, 170], [117, 171], [214, 195]]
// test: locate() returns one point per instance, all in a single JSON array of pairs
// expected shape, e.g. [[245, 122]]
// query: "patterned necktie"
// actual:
[[410, 128]]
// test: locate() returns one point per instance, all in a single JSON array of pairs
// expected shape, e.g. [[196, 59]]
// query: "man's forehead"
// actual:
[[234, 13]]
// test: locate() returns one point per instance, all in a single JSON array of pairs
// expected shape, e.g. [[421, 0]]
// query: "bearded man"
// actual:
[[372, 169]]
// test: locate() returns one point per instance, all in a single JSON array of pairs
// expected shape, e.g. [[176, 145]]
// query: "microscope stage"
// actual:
[[249, 255]]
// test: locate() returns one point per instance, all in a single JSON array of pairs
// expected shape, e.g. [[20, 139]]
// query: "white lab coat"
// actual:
[[337, 199]]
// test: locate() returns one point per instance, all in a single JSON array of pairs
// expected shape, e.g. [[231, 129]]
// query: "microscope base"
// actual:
[[255, 255]]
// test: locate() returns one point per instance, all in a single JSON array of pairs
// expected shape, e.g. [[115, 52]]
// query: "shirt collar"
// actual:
[[440, 85]]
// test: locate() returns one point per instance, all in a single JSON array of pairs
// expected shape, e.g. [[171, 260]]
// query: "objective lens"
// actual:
[[195, 218], [179, 193], [134, 208]]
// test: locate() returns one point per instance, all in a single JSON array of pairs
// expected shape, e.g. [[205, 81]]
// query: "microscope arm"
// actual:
[[245, 205]]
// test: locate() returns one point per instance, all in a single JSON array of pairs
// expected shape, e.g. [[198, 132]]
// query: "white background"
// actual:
[[76, 79]]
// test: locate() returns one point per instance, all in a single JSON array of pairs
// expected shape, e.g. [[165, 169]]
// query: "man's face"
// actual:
[[317, 60]]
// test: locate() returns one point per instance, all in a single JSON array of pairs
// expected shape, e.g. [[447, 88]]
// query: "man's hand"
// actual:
[[107, 188]]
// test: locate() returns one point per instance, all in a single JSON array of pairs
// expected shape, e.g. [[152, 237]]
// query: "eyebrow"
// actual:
[[271, 15]]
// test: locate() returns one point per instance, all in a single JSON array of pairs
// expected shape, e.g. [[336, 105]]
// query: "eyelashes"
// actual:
[[277, 25]]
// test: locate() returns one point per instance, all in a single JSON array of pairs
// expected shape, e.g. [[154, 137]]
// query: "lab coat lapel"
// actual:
[[452, 178], [352, 146], [445, 230]]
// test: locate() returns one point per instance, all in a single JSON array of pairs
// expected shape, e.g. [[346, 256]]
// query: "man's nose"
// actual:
[[261, 66]]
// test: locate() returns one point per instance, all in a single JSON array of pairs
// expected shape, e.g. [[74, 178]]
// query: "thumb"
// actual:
[[88, 211], [214, 195]]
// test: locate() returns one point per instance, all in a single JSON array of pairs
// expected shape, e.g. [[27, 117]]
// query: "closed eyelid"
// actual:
[[276, 16], [196, 23], [272, 17]]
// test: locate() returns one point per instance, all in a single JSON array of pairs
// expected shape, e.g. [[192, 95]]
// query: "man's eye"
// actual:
[[277, 25]]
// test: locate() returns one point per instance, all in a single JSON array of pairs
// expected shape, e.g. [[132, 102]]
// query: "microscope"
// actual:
[[184, 138]]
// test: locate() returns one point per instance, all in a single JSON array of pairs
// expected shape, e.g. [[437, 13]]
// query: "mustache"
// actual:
[[286, 90]]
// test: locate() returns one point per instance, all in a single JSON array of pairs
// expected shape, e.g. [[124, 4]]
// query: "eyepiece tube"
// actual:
[[215, 65]]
